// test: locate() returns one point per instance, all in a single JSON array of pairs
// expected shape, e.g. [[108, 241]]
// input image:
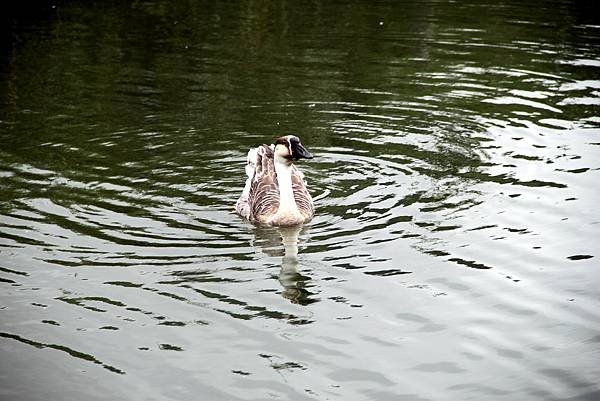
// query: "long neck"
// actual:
[[287, 203]]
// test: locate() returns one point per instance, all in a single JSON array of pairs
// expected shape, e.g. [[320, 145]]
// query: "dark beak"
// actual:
[[300, 152]]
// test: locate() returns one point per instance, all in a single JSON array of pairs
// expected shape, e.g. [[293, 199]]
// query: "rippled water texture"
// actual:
[[455, 250]]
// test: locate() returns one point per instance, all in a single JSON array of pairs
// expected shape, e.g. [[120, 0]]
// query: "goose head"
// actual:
[[290, 149]]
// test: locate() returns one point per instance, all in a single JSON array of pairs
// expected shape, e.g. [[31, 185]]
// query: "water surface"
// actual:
[[454, 253]]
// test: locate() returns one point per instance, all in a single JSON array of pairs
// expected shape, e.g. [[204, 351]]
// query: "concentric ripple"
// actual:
[[453, 251]]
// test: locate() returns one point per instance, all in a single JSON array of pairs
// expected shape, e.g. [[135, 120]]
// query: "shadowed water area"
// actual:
[[455, 248]]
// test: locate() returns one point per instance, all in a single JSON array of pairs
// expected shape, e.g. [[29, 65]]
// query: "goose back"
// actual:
[[264, 189]]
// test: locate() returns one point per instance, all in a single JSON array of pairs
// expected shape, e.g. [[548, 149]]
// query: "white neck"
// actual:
[[287, 203]]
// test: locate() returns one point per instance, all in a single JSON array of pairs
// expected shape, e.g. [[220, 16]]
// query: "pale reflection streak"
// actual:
[[294, 284]]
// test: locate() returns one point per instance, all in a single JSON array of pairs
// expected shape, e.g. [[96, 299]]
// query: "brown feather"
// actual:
[[264, 191], [301, 194]]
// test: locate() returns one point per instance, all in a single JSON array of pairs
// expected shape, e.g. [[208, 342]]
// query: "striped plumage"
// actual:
[[275, 192]]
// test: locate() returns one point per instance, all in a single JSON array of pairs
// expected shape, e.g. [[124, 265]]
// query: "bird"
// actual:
[[275, 192]]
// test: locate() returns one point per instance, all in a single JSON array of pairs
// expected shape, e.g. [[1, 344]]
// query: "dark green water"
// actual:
[[454, 253]]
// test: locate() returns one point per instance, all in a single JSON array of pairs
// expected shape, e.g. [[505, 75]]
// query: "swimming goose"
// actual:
[[275, 193]]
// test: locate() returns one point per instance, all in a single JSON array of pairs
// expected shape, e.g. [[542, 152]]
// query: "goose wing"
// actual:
[[301, 195], [264, 190]]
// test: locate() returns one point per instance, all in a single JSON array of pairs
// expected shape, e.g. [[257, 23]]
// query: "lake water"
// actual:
[[455, 250]]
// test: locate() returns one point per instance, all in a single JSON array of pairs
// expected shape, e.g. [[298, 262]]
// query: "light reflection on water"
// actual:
[[454, 250]]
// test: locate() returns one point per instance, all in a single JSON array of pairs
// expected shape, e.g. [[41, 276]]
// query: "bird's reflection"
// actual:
[[283, 241]]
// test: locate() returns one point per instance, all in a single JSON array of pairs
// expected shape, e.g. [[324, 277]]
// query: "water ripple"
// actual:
[[452, 253]]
